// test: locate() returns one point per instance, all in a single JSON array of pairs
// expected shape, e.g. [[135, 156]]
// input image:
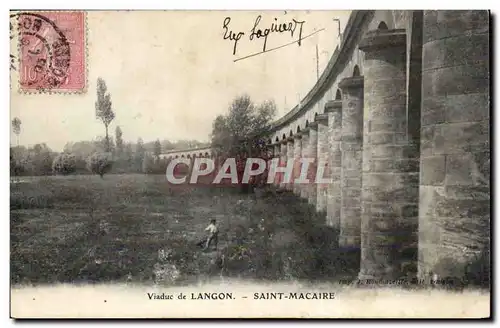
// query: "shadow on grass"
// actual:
[[284, 238]]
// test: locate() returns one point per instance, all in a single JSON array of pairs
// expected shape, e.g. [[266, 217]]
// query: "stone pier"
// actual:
[[277, 153], [283, 159], [454, 209], [333, 109], [304, 187], [297, 154], [390, 181], [270, 156], [323, 149], [313, 154], [289, 157], [351, 147]]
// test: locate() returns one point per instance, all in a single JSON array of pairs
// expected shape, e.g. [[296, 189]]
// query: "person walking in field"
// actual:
[[213, 234]]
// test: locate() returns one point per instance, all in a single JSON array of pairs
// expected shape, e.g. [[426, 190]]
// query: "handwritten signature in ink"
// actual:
[[258, 33]]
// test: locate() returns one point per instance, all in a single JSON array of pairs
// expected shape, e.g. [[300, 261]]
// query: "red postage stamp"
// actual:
[[52, 51]]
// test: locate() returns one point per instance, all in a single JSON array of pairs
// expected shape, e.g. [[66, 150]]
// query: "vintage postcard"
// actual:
[[250, 164]]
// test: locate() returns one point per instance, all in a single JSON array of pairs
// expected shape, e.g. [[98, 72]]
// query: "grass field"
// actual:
[[88, 229]]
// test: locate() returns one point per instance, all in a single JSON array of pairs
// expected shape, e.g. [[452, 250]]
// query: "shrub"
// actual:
[[64, 164], [100, 163], [16, 167]]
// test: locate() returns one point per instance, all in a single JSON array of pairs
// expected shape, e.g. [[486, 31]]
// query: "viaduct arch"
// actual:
[[206, 152]]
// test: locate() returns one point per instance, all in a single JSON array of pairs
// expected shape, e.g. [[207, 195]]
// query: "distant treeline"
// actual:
[[126, 157]]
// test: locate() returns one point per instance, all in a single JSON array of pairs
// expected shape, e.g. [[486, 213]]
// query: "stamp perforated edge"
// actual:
[[84, 90]]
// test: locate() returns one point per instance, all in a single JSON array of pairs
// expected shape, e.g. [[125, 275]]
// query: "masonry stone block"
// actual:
[[435, 174], [289, 157], [389, 189], [304, 187], [313, 154], [297, 154], [454, 204], [351, 148], [323, 150], [277, 153], [283, 159], [333, 109]]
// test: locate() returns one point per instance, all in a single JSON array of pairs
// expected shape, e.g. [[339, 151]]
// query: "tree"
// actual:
[[264, 117], [16, 166], [99, 163], [140, 152], [82, 150], [128, 154], [103, 146], [16, 127], [221, 139], [42, 159], [154, 165], [240, 130], [119, 141], [157, 149], [167, 145], [148, 164], [161, 166], [103, 110], [64, 164]]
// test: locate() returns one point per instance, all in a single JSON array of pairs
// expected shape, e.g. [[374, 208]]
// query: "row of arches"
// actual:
[[338, 95], [200, 155]]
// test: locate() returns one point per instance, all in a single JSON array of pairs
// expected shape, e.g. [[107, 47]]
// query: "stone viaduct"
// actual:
[[189, 153], [401, 115]]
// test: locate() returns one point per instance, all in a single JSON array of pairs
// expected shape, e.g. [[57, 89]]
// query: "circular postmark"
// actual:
[[45, 53]]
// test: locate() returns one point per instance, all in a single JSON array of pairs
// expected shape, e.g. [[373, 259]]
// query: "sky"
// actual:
[[170, 73]]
